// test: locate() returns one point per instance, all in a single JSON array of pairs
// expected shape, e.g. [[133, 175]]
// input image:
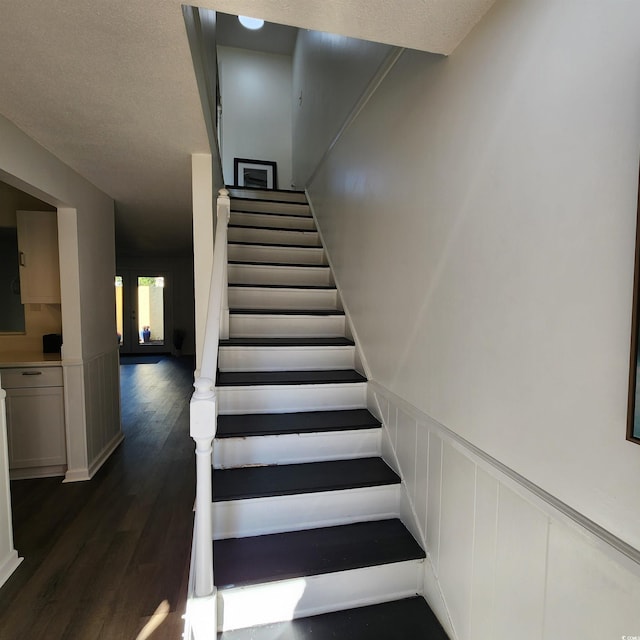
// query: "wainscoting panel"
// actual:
[[520, 568], [101, 380], [455, 558], [434, 499], [484, 556], [589, 593], [92, 407], [504, 559]]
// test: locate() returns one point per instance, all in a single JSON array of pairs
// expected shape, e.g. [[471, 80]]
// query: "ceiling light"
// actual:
[[251, 23]]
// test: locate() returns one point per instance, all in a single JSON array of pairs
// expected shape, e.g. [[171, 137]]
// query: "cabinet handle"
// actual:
[[23, 262], [32, 373]]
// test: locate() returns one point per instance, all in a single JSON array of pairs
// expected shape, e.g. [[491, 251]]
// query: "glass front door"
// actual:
[[141, 316]]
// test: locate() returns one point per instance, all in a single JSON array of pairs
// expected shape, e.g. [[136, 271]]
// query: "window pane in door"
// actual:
[[119, 309], [151, 310]]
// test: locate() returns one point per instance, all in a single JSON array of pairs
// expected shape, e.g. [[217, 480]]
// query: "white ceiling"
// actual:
[[270, 38], [108, 86]]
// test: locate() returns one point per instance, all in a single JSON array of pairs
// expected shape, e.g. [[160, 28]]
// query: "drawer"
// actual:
[[29, 377]]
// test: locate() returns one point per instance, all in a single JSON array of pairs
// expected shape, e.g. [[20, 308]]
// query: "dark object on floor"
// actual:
[[142, 359]]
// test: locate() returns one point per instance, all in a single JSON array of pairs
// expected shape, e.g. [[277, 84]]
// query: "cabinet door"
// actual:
[[39, 261], [35, 427]]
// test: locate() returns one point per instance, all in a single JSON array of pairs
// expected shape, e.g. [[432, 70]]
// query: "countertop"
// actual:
[[29, 359]]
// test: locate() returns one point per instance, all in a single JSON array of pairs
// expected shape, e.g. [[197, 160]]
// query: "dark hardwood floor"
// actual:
[[108, 559]]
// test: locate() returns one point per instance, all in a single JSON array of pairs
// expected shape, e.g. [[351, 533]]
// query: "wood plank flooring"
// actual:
[[108, 559]]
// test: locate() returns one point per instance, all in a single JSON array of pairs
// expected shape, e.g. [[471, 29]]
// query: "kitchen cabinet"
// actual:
[[35, 421], [39, 258]]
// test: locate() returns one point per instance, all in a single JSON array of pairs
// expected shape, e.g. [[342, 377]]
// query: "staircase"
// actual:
[[305, 511]]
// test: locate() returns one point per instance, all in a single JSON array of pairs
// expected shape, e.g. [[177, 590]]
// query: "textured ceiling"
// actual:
[[108, 86]]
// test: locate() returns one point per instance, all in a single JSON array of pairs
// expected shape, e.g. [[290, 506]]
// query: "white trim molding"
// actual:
[[9, 559]]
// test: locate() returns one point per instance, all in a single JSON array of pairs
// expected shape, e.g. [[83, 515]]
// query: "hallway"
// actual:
[[101, 557]]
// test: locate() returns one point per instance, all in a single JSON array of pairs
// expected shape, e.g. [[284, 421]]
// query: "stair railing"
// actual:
[[204, 405]]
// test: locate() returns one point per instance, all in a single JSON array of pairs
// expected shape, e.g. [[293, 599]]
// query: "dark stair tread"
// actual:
[[275, 244], [303, 216], [287, 342], [245, 226], [311, 477], [295, 265], [228, 187], [271, 424], [328, 376], [294, 554], [406, 619], [290, 312], [321, 287]]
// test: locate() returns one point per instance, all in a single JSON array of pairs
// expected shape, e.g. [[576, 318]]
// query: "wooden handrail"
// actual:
[[204, 406]]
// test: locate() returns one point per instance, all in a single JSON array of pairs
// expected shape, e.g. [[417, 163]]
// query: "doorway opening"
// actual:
[[141, 312]]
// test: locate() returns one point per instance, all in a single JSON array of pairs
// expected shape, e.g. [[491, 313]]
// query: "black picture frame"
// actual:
[[255, 174], [633, 404]]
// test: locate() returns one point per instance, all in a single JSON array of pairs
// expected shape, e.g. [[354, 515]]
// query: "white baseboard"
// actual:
[[9, 565], [83, 474]]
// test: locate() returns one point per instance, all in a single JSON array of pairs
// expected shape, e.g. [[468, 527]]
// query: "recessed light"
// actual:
[[251, 23]]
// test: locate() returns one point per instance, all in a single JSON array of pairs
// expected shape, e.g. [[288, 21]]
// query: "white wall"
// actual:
[[330, 73], [87, 269], [256, 110], [480, 215]]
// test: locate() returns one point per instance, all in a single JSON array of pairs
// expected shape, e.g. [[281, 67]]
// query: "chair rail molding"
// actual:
[[476, 516]]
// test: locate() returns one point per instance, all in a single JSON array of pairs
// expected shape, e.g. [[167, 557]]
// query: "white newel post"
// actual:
[[203, 407], [203, 429]]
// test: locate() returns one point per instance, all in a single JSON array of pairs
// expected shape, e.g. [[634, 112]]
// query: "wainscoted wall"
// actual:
[[102, 381], [464, 214], [504, 560], [90, 443]]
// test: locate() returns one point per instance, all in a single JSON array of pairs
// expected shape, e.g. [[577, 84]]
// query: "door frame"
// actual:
[[130, 341]]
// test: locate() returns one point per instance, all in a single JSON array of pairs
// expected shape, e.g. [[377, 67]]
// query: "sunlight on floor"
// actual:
[[262, 604], [155, 621]]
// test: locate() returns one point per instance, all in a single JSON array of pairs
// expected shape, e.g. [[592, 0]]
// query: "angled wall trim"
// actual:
[[388, 63]]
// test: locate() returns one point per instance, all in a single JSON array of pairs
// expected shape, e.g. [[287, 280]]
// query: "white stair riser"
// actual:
[[290, 398], [269, 298], [274, 236], [266, 274], [270, 220], [296, 448], [295, 255], [285, 326], [293, 208], [262, 516], [266, 194], [243, 607], [285, 358]]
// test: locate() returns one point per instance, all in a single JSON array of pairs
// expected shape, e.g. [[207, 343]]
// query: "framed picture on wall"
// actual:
[[257, 174], [633, 405]]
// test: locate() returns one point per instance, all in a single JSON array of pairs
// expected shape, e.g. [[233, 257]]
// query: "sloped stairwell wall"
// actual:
[[480, 216]]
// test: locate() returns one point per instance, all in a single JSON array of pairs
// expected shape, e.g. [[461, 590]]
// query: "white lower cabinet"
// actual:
[[35, 421]]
